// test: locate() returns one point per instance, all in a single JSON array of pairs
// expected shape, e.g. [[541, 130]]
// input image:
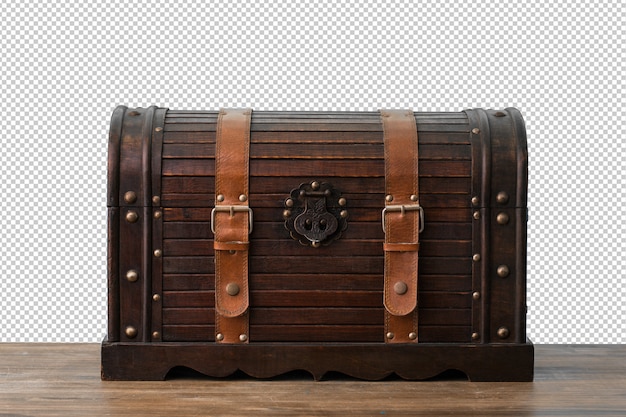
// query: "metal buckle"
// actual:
[[232, 210], [402, 208]]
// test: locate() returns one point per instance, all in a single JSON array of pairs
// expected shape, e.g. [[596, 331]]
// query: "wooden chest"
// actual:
[[362, 243]]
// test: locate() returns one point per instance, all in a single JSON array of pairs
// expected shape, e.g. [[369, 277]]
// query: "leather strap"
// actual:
[[401, 220], [231, 221]]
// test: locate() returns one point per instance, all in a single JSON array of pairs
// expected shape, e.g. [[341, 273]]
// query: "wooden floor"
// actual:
[[64, 380]]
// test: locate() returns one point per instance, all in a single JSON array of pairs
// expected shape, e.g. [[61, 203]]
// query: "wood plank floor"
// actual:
[[64, 380]]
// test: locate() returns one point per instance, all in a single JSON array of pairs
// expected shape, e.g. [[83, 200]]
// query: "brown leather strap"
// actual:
[[231, 222], [402, 218]]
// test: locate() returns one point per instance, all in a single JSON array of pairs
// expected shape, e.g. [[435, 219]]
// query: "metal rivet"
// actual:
[[130, 197], [414, 197], [157, 214], [390, 335], [220, 197], [158, 253], [412, 335], [343, 214], [243, 198], [389, 198], [502, 218], [503, 271], [289, 202], [315, 185], [132, 275], [503, 332], [232, 251], [232, 289], [476, 295], [156, 200], [476, 215], [502, 197], [475, 336], [156, 297], [342, 201], [475, 130], [132, 216], [316, 244], [475, 200], [158, 129], [286, 213], [243, 337], [219, 337], [400, 288], [156, 335], [130, 331], [500, 114], [476, 257]]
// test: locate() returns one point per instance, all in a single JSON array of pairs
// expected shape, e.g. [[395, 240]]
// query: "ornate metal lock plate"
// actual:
[[315, 214]]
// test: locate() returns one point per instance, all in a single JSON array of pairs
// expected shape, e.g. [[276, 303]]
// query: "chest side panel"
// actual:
[[332, 293]]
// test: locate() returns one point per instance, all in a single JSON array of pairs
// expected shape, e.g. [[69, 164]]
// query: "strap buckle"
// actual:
[[232, 210], [402, 208]]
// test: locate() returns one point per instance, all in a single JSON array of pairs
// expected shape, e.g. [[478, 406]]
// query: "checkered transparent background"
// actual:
[[65, 65]]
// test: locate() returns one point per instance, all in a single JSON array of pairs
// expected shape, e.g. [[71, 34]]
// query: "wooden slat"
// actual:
[[315, 168], [283, 186], [289, 247], [173, 137], [315, 151], [201, 125]]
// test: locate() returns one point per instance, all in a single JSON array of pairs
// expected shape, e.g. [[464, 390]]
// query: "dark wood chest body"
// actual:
[[313, 306]]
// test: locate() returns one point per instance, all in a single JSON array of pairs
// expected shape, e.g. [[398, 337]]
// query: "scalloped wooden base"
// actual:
[[152, 361]]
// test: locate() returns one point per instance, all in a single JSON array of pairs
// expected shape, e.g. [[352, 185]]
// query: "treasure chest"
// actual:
[[364, 243]]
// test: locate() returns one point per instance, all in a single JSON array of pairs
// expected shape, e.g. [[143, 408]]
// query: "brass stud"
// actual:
[[157, 214], [243, 337], [475, 130], [131, 275], [475, 336], [342, 201], [412, 335], [158, 253], [289, 202], [343, 214], [502, 197], [476, 215], [243, 198], [389, 198], [220, 197], [500, 114], [286, 213], [414, 197], [132, 216], [232, 289], [156, 200], [156, 298], [400, 288], [502, 218], [315, 185], [503, 332], [158, 129], [130, 197], [476, 257], [219, 337], [390, 335], [503, 271], [156, 335], [130, 332], [475, 200], [476, 295], [316, 244]]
